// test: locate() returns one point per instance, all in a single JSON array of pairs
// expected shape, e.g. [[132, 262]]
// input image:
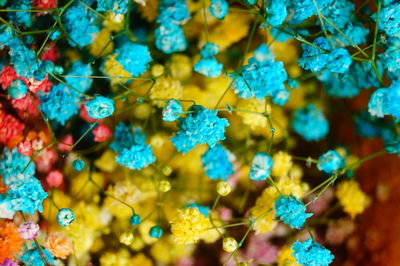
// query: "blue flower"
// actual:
[[341, 86], [6, 35], [339, 13], [276, 12], [18, 89], [24, 60], [25, 194], [172, 110], [127, 136], [78, 164], [12, 163], [172, 12], [339, 60], [260, 167], [33, 257], [218, 8], [79, 23], [311, 253], [209, 49], [60, 103], [80, 83], [100, 107], [392, 100], [217, 162], [21, 18], [199, 127], [391, 57], [368, 126], [304, 9], [330, 162], [310, 123], [393, 145], [65, 217], [135, 58], [135, 219], [156, 232], [204, 210], [376, 105], [291, 211], [208, 66], [281, 97], [313, 58], [170, 38], [136, 157], [389, 19], [364, 75], [117, 6]]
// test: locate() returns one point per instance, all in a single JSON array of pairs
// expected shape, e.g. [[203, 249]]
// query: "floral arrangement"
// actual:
[[191, 132]]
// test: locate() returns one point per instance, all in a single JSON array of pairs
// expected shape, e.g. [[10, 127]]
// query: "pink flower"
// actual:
[[10, 128], [26, 107], [66, 143], [7, 75], [25, 148], [37, 144], [101, 133], [339, 231], [225, 213], [261, 249], [322, 203], [54, 178], [36, 85], [44, 162], [28, 230]]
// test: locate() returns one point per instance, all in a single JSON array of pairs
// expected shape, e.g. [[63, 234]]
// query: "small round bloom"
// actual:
[[260, 167], [352, 198], [78, 164], [18, 89], [126, 238], [135, 219], [188, 225], [282, 163], [229, 244], [172, 110], [54, 178], [339, 60], [310, 252], [25, 148], [330, 161], [217, 162], [310, 123], [59, 245], [223, 188], [291, 211], [219, 8], [100, 107], [156, 231], [164, 186], [65, 217], [101, 133], [28, 230], [8, 262]]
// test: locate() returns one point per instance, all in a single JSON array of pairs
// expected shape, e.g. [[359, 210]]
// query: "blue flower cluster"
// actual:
[[79, 23], [199, 127], [117, 6], [330, 162], [169, 35], [310, 123], [389, 19], [218, 8], [135, 58], [100, 107], [130, 146], [12, 164], [217, 162], [311, 253], [260, 167], [291, 211], [208, 64], [172, 110], [33, 257], [386, 101], [77, 77], [261, 77], [391, 57], [65, 217], [21, 18]]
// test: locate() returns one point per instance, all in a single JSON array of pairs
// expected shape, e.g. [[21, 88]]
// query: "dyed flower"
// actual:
[[376, 105], [229, 244], [136, 157], [170, 38], [173, 12], [100, 107], [330, 162], [217, 162], [310, 123], [291, 211], [156, 232], [385, 101], [352, 198], [172, 110], [310, 252], [117, 6], [199, 127], [277, 12], [28, 230], [54, 178], [285, 257], [126, 136], [12, 163], [135, 219], [315, 58], [134, 58], [17, 89], [389, 19], [282, 162], [59, 245], [65, 217], [260, 167], [101, 133], [10, 240], [78, 164], [34, 257], [339, 60], [7, 75], [188, 225], [10, 128], [209, 67], [219, 8]]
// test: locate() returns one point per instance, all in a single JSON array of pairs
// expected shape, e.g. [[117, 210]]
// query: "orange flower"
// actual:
[[59, 245], [10, 241]]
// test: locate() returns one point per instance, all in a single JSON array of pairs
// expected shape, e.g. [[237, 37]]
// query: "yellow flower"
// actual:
[[211, 235], [114, 69], [102, 45], [188, 225], [166, 88], [141, 259], [285, 257], [254, 120], [106, 162], [352, 198], [282, 162], [180, 66], [150, 10], [166, 250], [229, 244], [113, 21]]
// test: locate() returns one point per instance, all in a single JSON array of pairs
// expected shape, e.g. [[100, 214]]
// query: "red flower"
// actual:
[[54, 178], [44, 4], [44, 85], [7, 75], [10, 128], [101, 133], [66, 143], [26, 108], [51, 54]]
